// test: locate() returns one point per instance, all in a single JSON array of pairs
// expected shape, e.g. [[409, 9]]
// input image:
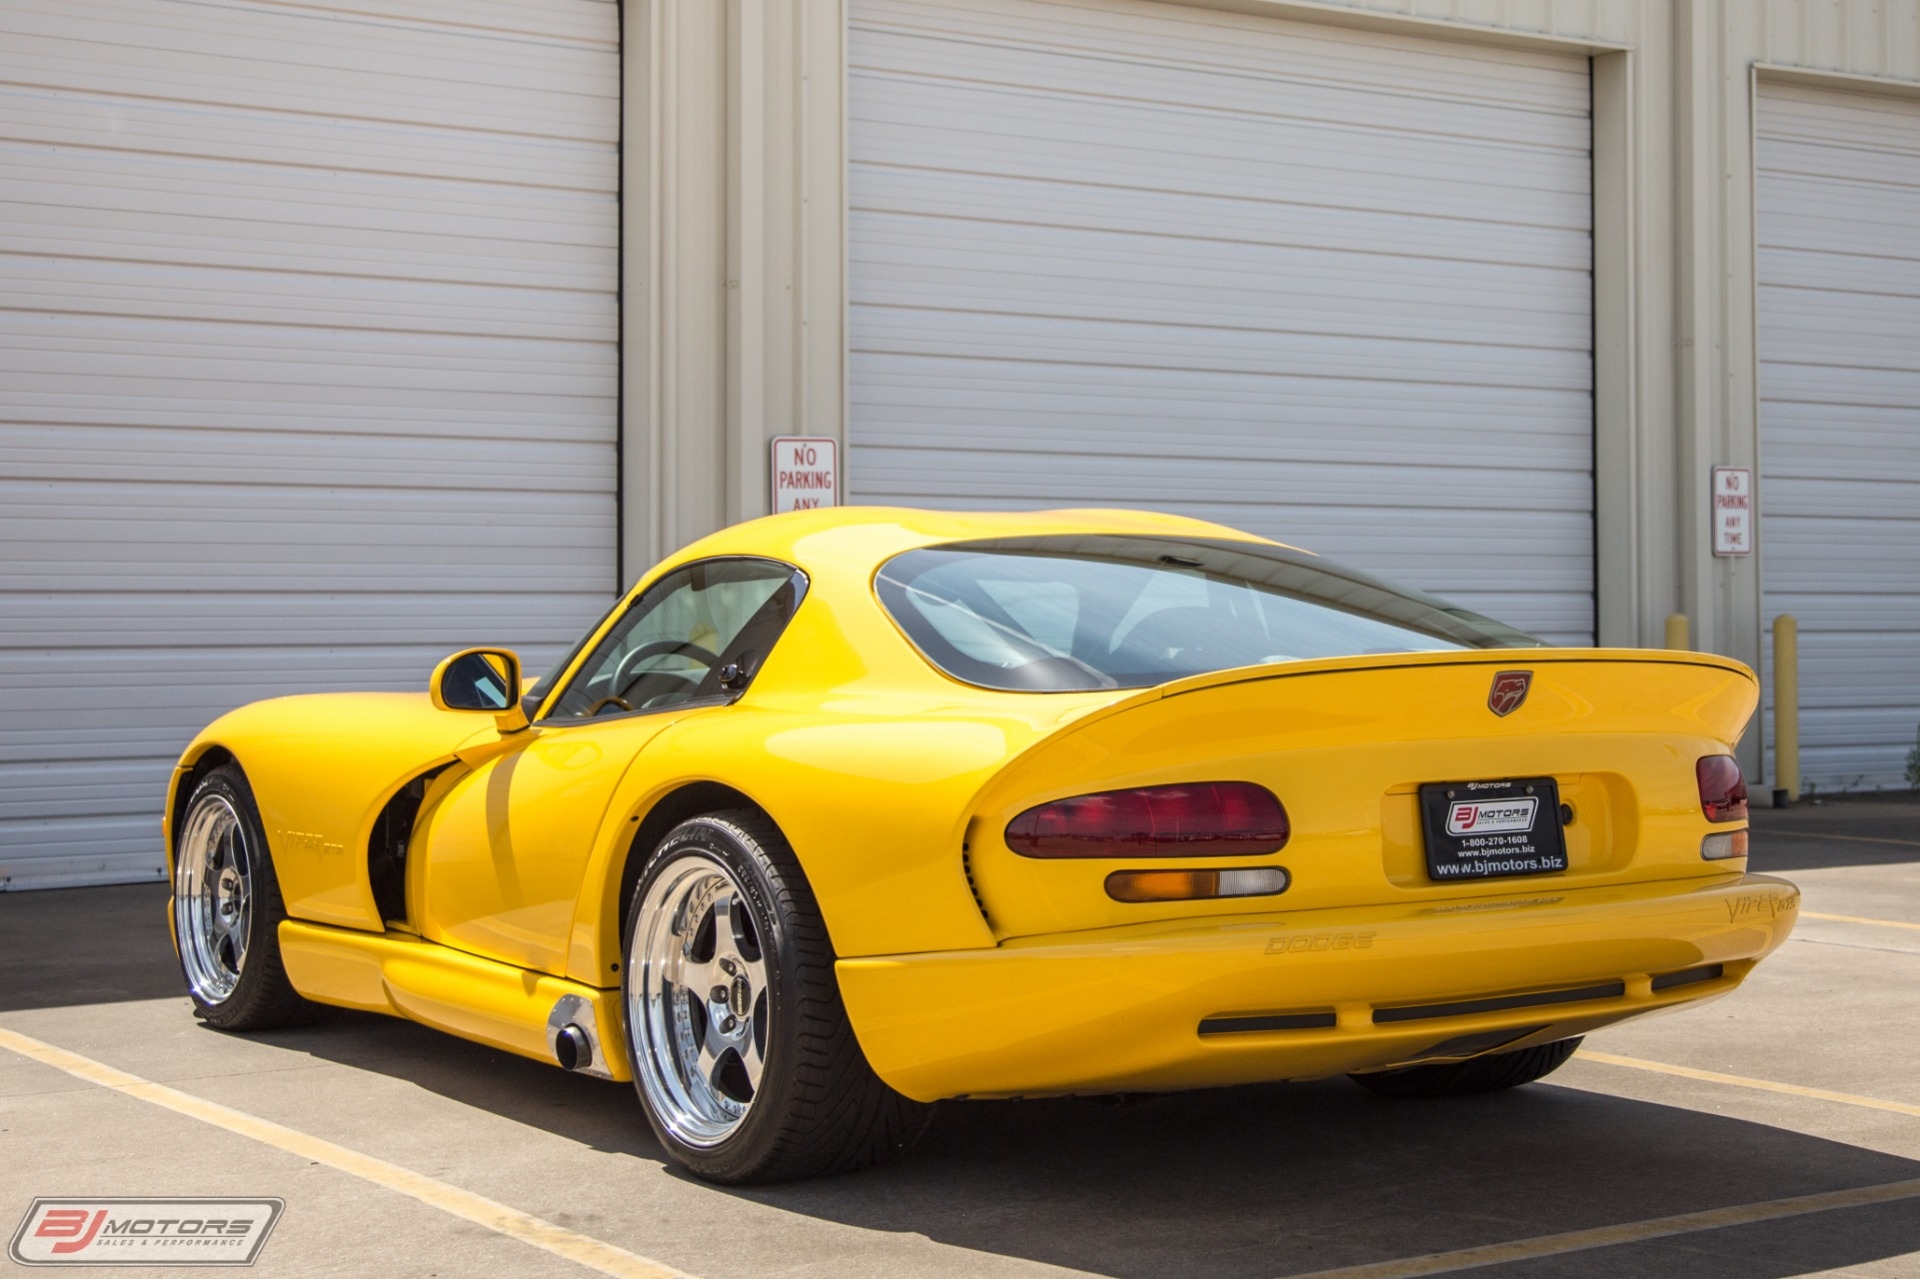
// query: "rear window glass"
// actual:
[[1058, 614]]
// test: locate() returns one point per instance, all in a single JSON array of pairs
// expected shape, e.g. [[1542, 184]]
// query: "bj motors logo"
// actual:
[[144, 1232], [1491, 816]]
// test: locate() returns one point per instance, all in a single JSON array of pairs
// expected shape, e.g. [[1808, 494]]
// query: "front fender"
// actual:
[[321, 768]]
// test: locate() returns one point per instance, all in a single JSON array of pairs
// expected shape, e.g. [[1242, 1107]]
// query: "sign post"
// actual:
[[1732, 510], [806, 472]]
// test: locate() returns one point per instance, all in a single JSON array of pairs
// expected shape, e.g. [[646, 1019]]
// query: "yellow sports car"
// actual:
[[841, 812]]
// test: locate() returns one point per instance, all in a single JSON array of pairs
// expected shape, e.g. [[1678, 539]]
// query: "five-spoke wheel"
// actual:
[[226, 908], [699, 1000], [213, 896], [740, 1046]]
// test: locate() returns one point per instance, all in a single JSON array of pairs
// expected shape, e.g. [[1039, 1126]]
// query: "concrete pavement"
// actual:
[[1256, 1182]]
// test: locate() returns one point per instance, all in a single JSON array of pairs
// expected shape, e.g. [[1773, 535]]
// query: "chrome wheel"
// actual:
[[697, 1000], [213, 885]]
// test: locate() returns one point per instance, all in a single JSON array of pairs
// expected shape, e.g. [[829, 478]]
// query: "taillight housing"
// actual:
[[1192, 819], [1723, 789]]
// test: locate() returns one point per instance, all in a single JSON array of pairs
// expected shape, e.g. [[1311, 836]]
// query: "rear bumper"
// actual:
[[1121, 1008]]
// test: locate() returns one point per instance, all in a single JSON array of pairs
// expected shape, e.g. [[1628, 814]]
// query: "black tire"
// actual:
[[818, 1108], [1490, 1073], [262, 998]]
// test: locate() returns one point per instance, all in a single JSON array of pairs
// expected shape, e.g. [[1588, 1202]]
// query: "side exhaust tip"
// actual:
[[571, 1048]]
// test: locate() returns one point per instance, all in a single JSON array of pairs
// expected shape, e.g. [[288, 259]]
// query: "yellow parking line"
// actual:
[[1686, 1223], [1743, 1081], [498, 1217], [1860, 919]]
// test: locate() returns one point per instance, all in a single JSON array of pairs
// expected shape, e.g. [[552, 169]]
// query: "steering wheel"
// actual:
[[624, 676]]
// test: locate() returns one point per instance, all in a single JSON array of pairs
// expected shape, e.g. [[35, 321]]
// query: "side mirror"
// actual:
[[481, 679]]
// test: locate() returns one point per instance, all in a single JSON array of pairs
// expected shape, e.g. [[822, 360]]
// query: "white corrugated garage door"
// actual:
[[307, 371], [1839, 493], [1328, 285]]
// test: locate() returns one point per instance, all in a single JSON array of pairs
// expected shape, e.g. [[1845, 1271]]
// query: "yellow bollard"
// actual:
[[1786, 710], [1677, 632]]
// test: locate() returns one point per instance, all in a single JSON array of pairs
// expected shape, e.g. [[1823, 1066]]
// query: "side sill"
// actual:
[[478, 999]]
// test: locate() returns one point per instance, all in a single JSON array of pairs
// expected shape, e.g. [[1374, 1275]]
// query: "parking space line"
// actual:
[[1860, 919], [1685, 1223], [1744, 1081], [581, 1249]]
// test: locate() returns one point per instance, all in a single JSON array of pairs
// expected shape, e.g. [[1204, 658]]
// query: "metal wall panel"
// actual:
[[1330, 285], [1839, 489], [307, 371]]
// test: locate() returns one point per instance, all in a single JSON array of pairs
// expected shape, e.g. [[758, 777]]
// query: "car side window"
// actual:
[[699, 633]]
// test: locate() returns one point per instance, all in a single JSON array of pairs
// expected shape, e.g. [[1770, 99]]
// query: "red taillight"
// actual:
[[1723, 791], [1198, 819]]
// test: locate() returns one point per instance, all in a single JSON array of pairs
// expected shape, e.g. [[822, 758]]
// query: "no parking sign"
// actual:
[[806, 472], [1732, 510]]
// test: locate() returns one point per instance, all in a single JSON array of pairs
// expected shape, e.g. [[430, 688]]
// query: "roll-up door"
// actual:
[[1839, 492], [1332, 286], [307, 371]]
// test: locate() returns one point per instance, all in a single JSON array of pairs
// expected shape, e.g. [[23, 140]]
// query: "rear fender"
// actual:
[[873, 805]]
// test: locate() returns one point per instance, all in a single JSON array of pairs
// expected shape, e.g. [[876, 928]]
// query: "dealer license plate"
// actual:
[[1491, 830]]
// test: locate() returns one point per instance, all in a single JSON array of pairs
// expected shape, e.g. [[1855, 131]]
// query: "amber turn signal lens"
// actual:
[[1191, 885], [1724, 844]]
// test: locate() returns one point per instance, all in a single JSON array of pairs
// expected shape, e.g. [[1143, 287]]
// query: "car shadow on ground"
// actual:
[[1288, 1179], [1252, 1183], [1259, 1182]]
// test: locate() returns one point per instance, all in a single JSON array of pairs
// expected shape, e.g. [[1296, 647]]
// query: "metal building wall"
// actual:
[[1327, 285], [736, 159], [370, 328], [1839, 319], [307, 371]]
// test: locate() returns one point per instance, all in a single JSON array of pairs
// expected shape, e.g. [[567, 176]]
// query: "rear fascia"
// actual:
[[1345, 744], [1122, 1008]]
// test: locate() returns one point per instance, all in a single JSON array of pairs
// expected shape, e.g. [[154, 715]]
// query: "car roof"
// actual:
[[877, 533]]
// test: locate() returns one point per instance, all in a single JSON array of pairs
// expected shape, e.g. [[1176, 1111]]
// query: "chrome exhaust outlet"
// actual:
[[573, 1037]]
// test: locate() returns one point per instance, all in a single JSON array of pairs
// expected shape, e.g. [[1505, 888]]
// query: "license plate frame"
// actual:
[[1505, 846]]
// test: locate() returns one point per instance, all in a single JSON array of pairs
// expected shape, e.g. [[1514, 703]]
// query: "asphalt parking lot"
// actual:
[[1774, 1133]]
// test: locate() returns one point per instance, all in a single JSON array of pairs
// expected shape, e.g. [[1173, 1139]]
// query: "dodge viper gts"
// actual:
[[842, 812]]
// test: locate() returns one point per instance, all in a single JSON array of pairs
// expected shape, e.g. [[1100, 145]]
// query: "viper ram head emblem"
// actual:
[[1508, 691]]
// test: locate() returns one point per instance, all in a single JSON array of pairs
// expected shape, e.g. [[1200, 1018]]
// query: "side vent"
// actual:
[[387, 847], [966, 864]]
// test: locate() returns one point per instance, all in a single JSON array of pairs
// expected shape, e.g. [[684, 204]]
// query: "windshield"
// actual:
[[1058, 614]]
